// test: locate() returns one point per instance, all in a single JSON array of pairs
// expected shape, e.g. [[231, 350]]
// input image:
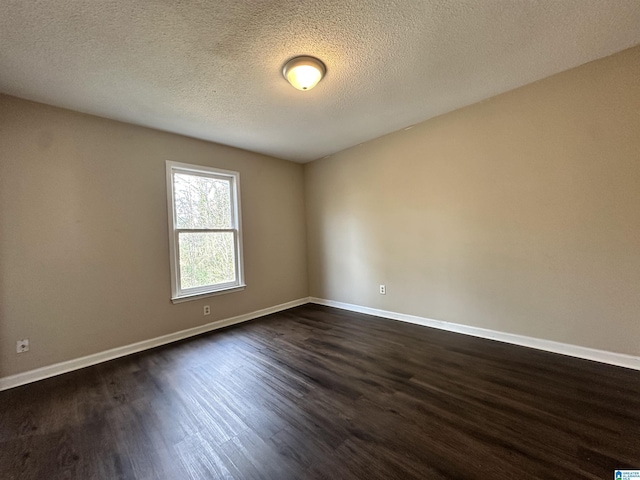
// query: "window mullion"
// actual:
[[204, 230]]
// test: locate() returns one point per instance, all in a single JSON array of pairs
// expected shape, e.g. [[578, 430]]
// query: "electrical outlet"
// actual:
[[22, 345], [207, 310], [383, 290]]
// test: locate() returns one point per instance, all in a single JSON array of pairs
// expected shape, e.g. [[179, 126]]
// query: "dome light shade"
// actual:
[[304, 73]]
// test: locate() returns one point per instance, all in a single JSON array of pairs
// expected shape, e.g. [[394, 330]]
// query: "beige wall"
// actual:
[[519, 214], [84, 259]]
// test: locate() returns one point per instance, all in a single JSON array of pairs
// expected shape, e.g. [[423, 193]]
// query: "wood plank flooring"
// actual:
[[321, 393]]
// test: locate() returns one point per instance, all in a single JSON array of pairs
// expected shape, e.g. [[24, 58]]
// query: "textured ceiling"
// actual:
[[212, 69]]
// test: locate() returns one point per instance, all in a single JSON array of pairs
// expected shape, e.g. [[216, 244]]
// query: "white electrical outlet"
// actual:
[[383, 290], [22, 345], [207, 310]]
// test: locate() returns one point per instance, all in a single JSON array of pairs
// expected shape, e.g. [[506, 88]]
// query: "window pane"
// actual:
[[202, 202], [206, 258]]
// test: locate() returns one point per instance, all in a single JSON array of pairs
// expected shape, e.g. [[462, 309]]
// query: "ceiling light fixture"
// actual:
[[304, 73]]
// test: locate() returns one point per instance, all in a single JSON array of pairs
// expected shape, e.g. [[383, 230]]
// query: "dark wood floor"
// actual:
[[321, 393]]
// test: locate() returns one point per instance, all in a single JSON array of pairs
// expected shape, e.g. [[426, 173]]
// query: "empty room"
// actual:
[[320, 240]]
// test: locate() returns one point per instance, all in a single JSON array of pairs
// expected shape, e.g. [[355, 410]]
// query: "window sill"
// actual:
[[198, 296]]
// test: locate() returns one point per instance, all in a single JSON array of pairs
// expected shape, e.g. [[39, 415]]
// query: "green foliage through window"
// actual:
[[206, 228]]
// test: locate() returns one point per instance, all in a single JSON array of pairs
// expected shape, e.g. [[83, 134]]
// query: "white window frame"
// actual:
[[178, 294]]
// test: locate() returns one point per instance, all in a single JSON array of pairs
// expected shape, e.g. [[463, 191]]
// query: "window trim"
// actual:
[[177, 294]]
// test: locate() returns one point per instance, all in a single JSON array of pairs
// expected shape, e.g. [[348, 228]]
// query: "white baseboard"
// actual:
[[602, 356], [75, 364]]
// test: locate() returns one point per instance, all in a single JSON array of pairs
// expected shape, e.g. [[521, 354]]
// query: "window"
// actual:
[[204, 231]]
